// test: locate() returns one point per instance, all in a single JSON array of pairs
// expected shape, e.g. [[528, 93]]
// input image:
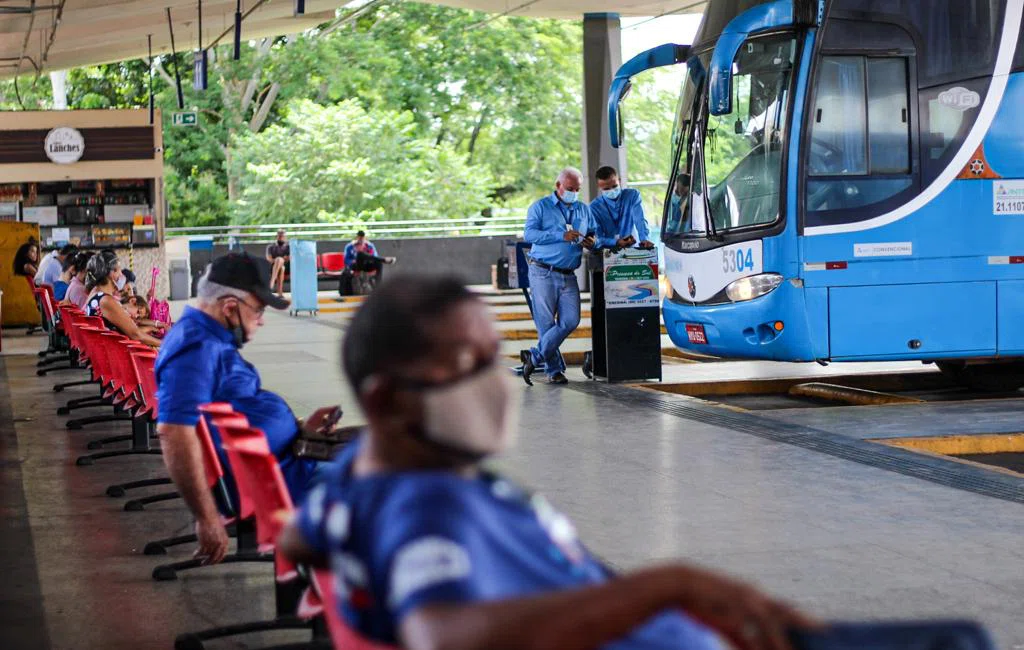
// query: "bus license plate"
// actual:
[[695, 333]]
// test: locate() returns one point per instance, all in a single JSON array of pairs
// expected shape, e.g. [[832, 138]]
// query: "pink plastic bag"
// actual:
[[159, 310]]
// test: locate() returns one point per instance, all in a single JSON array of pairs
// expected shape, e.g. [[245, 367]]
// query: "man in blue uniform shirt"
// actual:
[[559, 227], [429, 550], [199, 363], [619, 213]]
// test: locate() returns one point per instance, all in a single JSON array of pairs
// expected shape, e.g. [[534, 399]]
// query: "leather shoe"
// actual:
[[558, 378], [528, 367]]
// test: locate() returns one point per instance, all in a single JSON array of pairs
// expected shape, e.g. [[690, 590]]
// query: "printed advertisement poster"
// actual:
[[631, 279], [1008, 197]]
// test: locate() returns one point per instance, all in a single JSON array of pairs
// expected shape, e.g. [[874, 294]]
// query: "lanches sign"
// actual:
[[64, 145]]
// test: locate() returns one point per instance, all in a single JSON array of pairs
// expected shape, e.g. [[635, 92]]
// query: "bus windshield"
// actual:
[[743, 149], [729, 167]]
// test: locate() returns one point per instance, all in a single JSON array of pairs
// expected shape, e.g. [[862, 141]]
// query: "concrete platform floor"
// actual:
[[842, 539]]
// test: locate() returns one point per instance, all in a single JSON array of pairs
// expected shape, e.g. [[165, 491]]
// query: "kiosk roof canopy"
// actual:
[[51, 35]]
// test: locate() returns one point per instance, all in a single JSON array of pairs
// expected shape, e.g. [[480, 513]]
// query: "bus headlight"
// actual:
[[666, 287], [752, 287]]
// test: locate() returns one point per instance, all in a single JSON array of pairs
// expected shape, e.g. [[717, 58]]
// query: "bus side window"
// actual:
[[860, 133]]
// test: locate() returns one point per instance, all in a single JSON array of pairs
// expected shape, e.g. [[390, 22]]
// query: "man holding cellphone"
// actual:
[[199, 363], [559, 227]]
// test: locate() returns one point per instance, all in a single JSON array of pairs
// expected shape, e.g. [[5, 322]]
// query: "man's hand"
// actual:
[[646, 245], [588, 242], [571, 235], [748, 618], [322, 420], [625, 242], [213, 541]]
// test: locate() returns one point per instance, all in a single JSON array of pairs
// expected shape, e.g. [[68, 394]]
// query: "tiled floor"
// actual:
[[844, 540]]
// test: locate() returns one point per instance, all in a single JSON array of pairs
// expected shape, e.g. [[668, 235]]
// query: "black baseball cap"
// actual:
[[252, 274]]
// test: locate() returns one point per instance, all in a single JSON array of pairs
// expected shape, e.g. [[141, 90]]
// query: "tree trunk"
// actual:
[[260, 118], [476, 133]]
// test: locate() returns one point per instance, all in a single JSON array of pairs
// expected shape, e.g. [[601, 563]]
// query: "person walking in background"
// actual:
[[558, 227], [279, 255], [619, 213]]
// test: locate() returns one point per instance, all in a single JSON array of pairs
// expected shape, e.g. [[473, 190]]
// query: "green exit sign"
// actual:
[[190, 118]]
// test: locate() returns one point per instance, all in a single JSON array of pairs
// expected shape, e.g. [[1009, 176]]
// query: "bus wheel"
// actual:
[[989, 377]]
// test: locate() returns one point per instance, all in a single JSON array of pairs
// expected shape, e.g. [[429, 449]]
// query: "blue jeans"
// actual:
[[556, 312]]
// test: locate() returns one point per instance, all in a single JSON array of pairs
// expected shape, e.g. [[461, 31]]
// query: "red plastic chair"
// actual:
[[259, 482], [257, 467], [333, 264], [237, 521]]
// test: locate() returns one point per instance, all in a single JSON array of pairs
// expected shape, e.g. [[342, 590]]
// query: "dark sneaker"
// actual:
[[558, 378], [528, 367]]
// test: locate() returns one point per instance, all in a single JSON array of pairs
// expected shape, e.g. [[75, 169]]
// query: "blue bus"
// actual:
[[848, 183]]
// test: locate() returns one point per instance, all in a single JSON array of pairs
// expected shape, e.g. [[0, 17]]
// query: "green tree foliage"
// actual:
[[341, 162], [459, 110]]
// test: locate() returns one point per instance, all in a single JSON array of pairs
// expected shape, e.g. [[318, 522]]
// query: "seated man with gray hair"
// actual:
[[200, 363]]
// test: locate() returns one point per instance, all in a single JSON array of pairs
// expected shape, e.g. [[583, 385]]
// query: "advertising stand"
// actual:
[[303, 277], [625, 316]]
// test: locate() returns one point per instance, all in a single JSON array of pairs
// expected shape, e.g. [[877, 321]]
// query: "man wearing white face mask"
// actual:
[[430, 550], [559, 227], [619, 213]]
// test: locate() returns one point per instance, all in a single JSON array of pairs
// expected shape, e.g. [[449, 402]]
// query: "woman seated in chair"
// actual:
[[101, 278], [26, 260]]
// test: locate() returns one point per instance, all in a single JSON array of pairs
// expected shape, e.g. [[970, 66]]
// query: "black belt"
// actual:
[[548, 267]]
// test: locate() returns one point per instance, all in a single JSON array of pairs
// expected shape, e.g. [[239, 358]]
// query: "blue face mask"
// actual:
[[570, 197], [612, 193]]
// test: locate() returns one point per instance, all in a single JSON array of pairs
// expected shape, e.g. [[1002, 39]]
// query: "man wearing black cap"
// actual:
[[200, 363]]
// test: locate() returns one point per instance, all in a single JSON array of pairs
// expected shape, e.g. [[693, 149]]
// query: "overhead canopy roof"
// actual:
[[90, 32]]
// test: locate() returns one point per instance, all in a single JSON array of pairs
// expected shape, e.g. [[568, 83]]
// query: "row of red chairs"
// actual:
[[124, 372]]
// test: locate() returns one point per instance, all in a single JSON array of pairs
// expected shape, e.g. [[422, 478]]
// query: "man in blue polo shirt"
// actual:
[[429, 550], [559, 227], [619, 213], [199, 363]]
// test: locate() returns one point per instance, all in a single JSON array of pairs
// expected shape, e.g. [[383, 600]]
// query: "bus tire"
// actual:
[[988, 377]]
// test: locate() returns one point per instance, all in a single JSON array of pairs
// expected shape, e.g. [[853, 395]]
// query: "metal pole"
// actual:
[[174, 56], [149, 47], [238, 30]]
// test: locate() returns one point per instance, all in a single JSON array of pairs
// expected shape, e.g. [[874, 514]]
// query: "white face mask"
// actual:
[[121, 281], [478, 415]]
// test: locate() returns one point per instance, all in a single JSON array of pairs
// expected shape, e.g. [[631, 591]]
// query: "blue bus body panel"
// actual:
[[746, 329], [914, 319], [1010, 318]]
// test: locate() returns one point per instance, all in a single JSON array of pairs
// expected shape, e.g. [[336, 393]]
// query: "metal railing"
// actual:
[[501, 226], [505, 222]]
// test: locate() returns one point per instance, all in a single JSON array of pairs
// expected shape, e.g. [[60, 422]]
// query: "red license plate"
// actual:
[[695, 333]]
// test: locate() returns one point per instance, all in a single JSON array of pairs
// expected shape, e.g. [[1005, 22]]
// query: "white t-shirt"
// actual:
[[45, 274]]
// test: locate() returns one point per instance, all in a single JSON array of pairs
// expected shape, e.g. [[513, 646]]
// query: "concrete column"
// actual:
[[602, 56]]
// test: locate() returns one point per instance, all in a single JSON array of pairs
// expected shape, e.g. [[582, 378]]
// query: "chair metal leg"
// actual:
[[194, 640], [46, 361], [170, 571], [98, 444], [159, 547], [137, 505], [81, 403], [95, 419], [68, 384], [42, 372], [119, 489], [90, 458]]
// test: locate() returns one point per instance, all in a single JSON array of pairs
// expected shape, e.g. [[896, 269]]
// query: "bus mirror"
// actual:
[[667, 54], [760, 18], [620, 90]]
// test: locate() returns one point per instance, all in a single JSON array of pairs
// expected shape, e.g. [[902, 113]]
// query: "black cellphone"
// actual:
[[915, 635]]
